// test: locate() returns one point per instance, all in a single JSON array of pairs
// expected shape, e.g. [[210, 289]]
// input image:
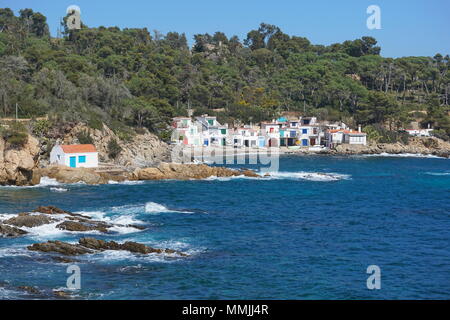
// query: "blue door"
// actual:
[[73, 162], [305, 142]]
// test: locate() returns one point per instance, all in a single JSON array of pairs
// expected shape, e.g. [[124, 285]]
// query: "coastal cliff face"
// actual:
[[17, 163], [143, 150]]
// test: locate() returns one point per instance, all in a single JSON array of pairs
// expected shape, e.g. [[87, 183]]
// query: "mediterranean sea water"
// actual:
[[298, 234]]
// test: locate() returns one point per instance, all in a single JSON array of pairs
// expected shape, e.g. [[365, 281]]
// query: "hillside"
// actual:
[[133, 79]]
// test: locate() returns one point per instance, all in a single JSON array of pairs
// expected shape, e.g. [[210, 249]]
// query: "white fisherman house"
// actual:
[[75, 156]]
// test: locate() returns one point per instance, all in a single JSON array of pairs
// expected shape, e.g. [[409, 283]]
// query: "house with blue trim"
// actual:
[[75, 156]]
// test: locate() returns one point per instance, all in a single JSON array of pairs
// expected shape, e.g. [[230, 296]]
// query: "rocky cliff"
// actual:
[[17, 163], [143, 150], [416, 145]]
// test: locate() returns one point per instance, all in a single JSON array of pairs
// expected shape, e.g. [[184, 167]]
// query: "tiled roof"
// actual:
[[79, 148], [346, 131]]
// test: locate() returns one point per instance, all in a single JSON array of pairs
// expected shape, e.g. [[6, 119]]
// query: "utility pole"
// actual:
[[17, 112]]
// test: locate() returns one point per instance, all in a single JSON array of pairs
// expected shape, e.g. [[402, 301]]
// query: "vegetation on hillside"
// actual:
[[132, 78]]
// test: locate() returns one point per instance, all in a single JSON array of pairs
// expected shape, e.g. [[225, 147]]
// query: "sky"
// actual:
[[408, 27]]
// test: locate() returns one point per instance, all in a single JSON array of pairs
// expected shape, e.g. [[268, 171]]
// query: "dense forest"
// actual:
[[134, 78]]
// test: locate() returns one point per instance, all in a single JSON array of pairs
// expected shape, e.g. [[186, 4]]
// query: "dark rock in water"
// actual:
[[130, 246], [27, 220], [51, 210], [29, 289], [11, 232], [54, 211], [59, 247], [96, 244], [62, 294], [65, 260], [90, 245], [139, 248], [136, 226], [83, 227]]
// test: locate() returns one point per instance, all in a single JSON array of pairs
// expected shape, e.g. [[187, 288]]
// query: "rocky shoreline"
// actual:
[[55, 251], [21, 166], [165, 171]]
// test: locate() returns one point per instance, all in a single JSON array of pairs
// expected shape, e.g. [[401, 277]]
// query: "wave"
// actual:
[[438, 173], [310, 176], [153, 207], [403, 155], [126, 182], [215, 178], [123, 224], [114, 255], [46, 181], [58, 189]]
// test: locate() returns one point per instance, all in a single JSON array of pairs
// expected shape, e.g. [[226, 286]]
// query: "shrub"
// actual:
[[379, 134], [84, 137], [41, 127], [114, 149], [95, 122], [441, 134], [16, 134]]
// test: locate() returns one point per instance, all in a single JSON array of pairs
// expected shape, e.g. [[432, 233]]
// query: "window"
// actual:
[[59, 157], [305, 131], [82, 159], [211, 122]]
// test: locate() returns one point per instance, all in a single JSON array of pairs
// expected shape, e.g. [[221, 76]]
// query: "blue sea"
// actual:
[[298, 234]]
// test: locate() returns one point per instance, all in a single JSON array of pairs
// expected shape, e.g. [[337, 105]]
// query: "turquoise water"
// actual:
[[292, 236]]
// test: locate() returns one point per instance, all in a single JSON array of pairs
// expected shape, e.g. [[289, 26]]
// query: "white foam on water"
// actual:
[[126, 182], [153, 207], [122, 221], [310, 176], [6, 294], [96, 215], [403, 155], [215, 178], [438, 173], [14, 252], [119, 255], [50, 231], [46, 181], [58, 189]]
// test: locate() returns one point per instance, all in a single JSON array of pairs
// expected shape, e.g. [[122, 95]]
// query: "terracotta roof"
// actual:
[[346, 131], [79, 148]]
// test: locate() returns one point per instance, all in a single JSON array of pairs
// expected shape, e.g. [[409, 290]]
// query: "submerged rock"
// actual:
[[65, 260], [29, 289], [62, 294], [11, 232], [91, 245]]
